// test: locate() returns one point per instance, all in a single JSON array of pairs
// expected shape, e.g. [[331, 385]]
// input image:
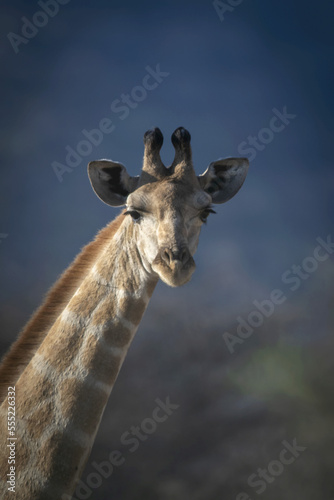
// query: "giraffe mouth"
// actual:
[[174, 272]]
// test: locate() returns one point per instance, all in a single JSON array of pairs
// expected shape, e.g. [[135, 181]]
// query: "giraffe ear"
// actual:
[[111, 182], [223, 178]]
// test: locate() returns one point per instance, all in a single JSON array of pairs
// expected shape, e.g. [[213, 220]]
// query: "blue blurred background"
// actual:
[[225, 72]]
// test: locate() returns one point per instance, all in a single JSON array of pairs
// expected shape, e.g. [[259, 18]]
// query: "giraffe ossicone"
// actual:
[[66, 360]]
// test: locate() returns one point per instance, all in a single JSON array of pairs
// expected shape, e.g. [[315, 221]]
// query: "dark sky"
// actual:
[[224, 77]]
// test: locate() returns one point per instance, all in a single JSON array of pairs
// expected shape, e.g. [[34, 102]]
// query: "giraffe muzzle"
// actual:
[[174, 266], [179, 256]]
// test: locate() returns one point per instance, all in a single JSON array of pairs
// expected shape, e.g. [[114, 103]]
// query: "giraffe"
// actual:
[[64, 364]]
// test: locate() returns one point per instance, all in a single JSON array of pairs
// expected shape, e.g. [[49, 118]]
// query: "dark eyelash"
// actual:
[[134, 214], [205, 213]]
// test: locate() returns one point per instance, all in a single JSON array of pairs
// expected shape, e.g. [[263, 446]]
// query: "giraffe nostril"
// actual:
[[184, 256], [167, 256]]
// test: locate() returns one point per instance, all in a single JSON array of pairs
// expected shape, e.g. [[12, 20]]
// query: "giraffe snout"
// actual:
[[171, 256], [174, 265]]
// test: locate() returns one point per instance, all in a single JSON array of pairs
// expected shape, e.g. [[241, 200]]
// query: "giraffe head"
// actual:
[[167, 206]]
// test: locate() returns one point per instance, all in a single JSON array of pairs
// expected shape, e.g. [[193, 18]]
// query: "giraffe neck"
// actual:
[[62, 393]]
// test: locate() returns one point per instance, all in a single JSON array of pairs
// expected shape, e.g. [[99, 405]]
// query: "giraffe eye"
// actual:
[[205, 214], [134, 214]]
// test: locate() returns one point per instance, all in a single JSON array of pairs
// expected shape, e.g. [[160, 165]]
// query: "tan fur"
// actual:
[[34, 332], [102, 365], [119, 338], [67, 343], [64, 471], [89, 401]]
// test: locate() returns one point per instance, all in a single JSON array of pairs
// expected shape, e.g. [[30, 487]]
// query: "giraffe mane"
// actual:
[[34, 332]]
